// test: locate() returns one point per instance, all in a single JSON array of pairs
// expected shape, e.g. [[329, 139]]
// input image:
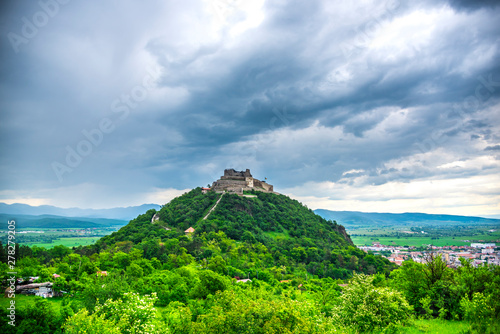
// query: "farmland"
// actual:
[[437, 236], [68, 242], [50, 237]]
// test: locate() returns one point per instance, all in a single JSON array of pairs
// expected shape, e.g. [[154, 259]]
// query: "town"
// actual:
[[478, 253]]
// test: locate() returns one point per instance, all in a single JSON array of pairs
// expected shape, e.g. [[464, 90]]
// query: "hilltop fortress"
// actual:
[[237, 182]]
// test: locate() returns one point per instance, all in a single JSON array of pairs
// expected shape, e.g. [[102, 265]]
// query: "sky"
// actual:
[[375, 106]]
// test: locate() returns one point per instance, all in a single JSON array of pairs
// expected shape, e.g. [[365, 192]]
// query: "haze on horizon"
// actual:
[[374, 106]]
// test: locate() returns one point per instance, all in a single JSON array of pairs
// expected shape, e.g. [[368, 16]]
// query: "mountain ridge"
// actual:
[[129, 213], [53, 221], [351, 218], [120, 213]]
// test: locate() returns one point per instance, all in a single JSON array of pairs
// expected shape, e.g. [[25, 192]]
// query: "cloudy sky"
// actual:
[[388, 106]]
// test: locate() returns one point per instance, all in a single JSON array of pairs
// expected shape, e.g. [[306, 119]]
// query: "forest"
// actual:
[[260, 264]]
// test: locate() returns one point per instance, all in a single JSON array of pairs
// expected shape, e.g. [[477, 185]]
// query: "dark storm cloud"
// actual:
[[473, 4], [492, 148], [263, 79], [313, 91]]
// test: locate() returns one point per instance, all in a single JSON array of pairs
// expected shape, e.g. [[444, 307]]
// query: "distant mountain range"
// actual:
[[39, 216], [127, 213], [359, 219], [51, 221]]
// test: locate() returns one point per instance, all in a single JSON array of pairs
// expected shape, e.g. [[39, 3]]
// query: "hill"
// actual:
[[372, 219], [260, 231], [113, 213]]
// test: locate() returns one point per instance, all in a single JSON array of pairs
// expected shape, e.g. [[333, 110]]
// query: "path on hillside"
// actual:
[[213, 208]]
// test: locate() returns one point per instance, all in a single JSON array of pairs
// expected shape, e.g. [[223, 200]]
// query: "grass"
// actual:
[[437, 326], [68, 242], [23, 300]]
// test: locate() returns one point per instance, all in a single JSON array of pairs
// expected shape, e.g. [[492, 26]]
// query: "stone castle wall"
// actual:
[[232, 173], [263, 185], [241, 178], [239, 181], [231, 183]]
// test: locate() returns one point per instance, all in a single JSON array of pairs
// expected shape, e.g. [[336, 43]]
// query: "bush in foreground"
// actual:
[[130, 314], [365, 307]]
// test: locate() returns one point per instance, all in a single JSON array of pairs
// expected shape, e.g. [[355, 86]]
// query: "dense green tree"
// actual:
[[210, 282], [121, 260], [411, 281], [135, 271], [59, 252], [97, 289]]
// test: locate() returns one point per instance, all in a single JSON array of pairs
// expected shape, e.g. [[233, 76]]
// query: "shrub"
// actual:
[[82, 322], [480, 313], [258, 311], [426, 305], [364, 307], [129, 314]]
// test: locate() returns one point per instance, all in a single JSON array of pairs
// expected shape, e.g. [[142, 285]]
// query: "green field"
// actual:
[[437, 236], [420, 241], [23, 300], [69, 237], [437, 326], [68, 242]]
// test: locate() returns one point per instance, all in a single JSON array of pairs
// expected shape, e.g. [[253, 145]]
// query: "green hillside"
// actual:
[[255, 233], [241, 216], [260, 263]]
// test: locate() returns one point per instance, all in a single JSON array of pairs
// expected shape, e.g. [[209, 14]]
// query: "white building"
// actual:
[[478, 245]]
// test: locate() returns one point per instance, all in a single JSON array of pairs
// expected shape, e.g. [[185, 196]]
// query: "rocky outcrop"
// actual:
[[155, 218], [341, 230]]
